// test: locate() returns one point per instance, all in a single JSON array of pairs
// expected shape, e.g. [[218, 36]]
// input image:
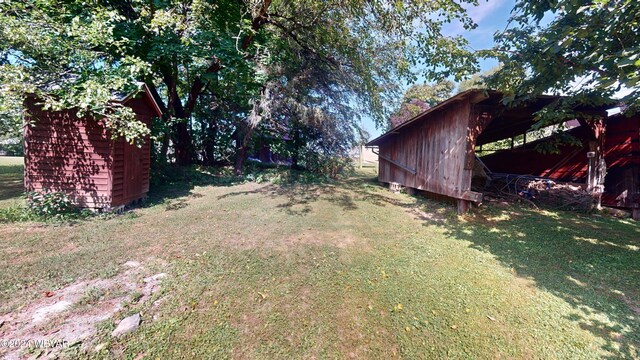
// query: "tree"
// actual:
[[195, 53], [420, 97], [10, 118], [589, 51], [477, 80]]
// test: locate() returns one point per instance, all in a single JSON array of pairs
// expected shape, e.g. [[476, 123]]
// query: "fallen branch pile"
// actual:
[[541, 192]]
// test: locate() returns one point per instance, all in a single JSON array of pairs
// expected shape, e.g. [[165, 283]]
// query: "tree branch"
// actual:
[[199, 84], [257, 23], [326, 59], [215, 65]]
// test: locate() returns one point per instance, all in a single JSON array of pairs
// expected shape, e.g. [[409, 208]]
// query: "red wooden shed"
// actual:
[[77, 156]]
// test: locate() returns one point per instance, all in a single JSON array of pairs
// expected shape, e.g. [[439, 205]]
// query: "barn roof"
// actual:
[[423, 115], [509, 122]]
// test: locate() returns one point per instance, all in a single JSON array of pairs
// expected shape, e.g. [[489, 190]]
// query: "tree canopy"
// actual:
[[477, 81], [418, 98], [217, 66], [588, 51]]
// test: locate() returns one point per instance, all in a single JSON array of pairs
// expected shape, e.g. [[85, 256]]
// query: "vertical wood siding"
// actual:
[[622, 183], [436, 147], [131, 170]]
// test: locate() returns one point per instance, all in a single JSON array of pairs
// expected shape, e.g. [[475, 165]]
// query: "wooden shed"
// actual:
[[77, 156], [435, 151]]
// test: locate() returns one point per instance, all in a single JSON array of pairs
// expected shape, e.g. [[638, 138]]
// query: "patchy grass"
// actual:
[[11, 174], [346, 269]]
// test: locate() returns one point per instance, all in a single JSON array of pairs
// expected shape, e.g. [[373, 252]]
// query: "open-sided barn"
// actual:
[[77, 156], [435, 151], [621, 155]]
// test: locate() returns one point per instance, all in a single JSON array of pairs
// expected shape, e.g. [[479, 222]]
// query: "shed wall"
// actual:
[[66, 154], [568, 164], [436, 148], [131, 169], [622, 183]]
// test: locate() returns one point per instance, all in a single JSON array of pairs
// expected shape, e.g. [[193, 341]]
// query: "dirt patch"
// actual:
[[309, 237], [318, 238], [356, 336], [633, 305], [69, 315], [432, 216]]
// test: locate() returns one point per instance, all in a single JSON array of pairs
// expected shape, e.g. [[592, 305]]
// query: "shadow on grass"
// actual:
[[592, 263], [173, 184], [589, 261], [11, 184], [171, 190], [343, 193]]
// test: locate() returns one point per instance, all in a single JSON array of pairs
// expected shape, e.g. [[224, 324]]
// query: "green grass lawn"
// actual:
[[11, 174], [345, 270]]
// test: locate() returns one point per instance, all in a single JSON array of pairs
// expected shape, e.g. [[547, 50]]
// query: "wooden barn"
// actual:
[[622, 182], [77, 156], [435, 151], [570, 163]]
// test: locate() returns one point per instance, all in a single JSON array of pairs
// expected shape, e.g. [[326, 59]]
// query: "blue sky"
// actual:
[[491, 16]]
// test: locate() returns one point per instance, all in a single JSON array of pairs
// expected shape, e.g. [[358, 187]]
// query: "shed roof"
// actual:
[[123, 98], [422, 116], [510, 122]]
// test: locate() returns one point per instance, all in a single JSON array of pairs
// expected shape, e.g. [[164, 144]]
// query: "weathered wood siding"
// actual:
[[622, 183], [621, 154], [437, 148], [568, 164], [66, 154]]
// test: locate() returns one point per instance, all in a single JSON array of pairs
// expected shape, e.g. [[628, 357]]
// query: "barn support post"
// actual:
[[591, 171], [479, 119], [463, 206], [636, 214], [596, 166]]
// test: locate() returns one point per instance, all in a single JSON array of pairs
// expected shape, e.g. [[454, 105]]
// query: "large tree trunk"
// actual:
[[164, 148], [243, 137], [184, 149], [210, 142], [181, 136], [241, 157], [183, 145]]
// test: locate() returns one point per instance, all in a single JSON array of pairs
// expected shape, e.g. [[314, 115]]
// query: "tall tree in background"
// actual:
[[477, 81], [420, 97], [209, 61], [589, 52]]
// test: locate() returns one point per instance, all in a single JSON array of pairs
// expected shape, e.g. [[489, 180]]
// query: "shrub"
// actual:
[[330, 166], [15, 213], [43, 206], [49, 204]]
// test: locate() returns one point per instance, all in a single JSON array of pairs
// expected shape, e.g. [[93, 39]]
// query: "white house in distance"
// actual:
[[364, 156]]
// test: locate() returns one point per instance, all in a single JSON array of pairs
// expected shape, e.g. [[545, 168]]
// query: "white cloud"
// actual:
[[485, 8], [488, 15]]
